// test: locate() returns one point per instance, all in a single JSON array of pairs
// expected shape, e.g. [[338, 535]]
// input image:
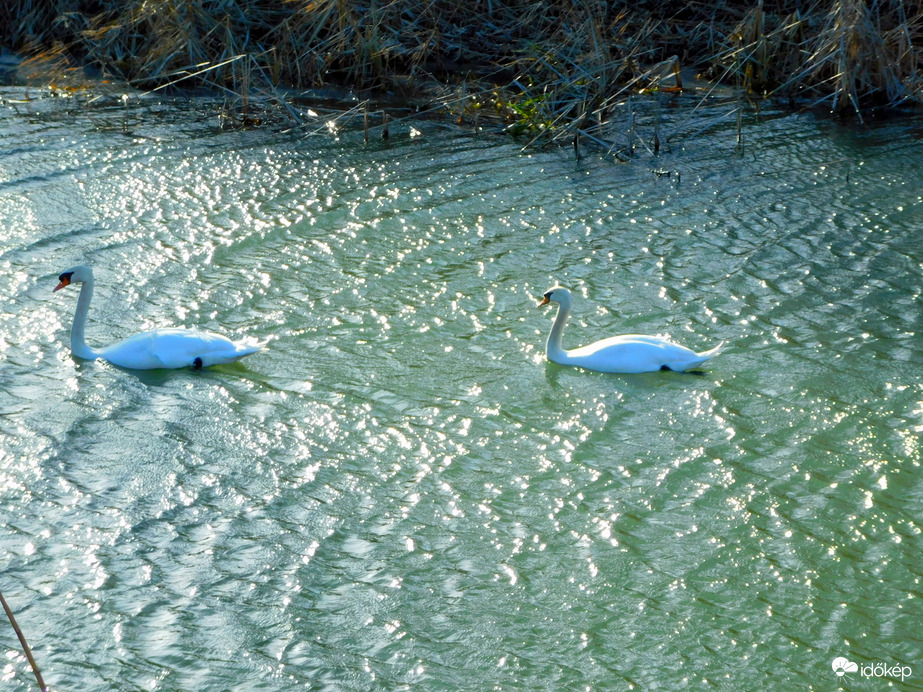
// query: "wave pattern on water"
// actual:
[[401, 492]]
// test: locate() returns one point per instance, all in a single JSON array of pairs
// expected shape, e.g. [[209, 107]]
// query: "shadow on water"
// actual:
[[554, 372], [160, 377]]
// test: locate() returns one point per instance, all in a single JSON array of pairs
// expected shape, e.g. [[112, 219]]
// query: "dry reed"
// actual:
[[550, 71]]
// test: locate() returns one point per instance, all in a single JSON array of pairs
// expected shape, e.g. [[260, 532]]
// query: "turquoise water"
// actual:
[[401, 493]]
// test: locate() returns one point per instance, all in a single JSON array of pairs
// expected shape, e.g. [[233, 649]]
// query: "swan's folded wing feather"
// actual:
[[136, 352], [179, 348], [176, 348], [229, 351], [632, 353]]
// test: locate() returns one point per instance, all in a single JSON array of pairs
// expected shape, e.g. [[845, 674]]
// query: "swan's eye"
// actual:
[[548, 295]]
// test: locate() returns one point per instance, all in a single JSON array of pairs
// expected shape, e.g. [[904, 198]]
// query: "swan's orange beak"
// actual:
[[64, 282], [544, 302]]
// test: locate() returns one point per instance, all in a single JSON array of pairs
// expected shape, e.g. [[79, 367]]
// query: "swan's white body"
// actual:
[[629, 353], [160, 348]]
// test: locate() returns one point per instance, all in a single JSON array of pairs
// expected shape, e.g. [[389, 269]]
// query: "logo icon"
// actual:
[[841, 666]]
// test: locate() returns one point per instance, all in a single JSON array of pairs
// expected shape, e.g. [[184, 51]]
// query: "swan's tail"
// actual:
[[711, 353], [700, 358], [244, 347], [247, 346]]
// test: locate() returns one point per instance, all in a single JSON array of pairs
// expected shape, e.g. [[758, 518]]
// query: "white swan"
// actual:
[[629, 353], [160, 348]]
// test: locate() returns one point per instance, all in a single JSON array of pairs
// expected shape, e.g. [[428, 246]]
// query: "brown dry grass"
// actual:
[[550, 70]]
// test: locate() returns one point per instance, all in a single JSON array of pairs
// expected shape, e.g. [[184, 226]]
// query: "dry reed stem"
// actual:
[[24, 644], [545, 60]]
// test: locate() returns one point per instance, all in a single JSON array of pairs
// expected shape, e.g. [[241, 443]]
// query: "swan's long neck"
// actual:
[[553, 348], [78, 340]]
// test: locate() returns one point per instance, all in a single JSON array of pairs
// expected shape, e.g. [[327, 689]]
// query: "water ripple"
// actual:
[[401, 488]]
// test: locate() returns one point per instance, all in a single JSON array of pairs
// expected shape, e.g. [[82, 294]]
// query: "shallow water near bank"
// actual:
[[401, 493]]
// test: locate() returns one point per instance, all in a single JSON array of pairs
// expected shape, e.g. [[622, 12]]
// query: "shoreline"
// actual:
[[550, 73]]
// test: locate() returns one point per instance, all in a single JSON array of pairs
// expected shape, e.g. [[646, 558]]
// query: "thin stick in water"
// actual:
[[25, 645], [365, 120], [631, 129], [657, 123], [740, 135]]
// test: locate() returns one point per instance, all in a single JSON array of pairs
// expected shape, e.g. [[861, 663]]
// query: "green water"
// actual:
[[401, 493]]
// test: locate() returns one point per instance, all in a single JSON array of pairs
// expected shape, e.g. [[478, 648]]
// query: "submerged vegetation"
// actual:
[[551, 70]]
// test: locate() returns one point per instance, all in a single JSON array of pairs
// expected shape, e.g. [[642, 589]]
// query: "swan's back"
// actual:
[[627, 353], [636, 353]]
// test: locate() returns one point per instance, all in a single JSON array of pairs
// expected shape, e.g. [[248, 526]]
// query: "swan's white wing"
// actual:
[[634, 353], [176, 348]]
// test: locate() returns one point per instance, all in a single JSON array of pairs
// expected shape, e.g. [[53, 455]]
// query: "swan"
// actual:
[[160, 348], [628, 353]]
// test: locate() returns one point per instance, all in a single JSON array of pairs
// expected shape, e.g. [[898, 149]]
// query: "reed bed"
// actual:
[[554, 71]]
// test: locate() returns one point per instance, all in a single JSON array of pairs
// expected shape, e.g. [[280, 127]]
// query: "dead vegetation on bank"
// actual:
[[550, 71]]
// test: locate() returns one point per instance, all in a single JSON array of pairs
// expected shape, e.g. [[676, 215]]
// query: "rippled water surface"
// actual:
[[401, 493]]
